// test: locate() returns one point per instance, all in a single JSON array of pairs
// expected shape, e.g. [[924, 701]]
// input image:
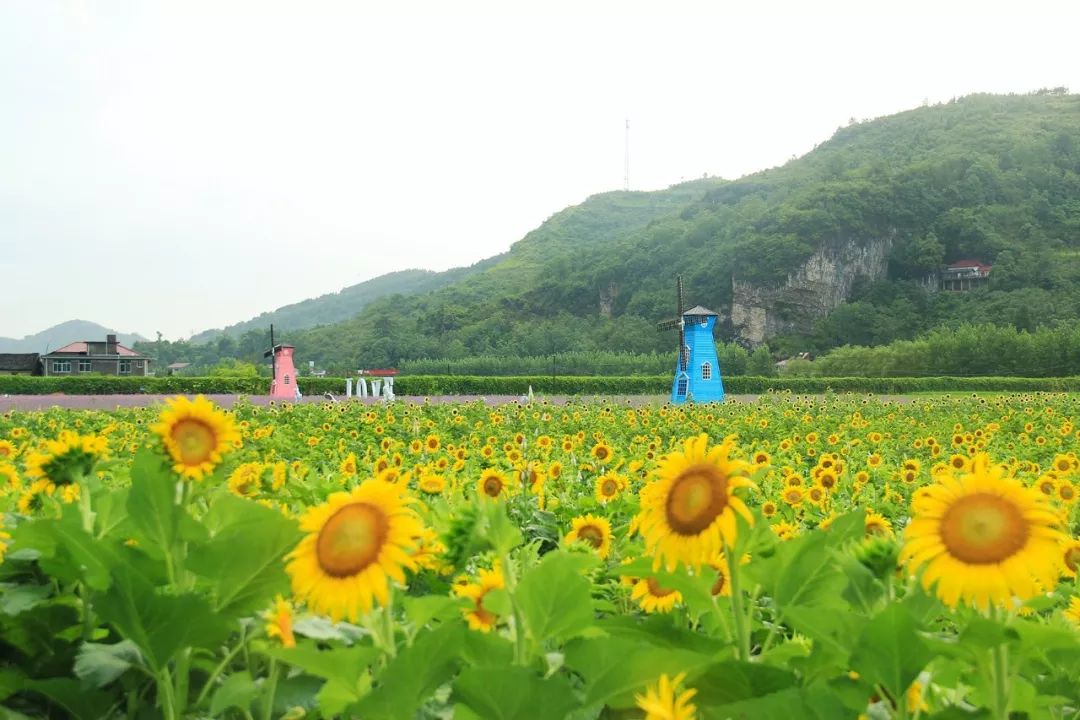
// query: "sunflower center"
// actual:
[[609, 488], [492, 486], [698, 496], [983, 529], [194, 439], [1072, 559], [351, 539], [592, 535], [721, 581], [656, 590]]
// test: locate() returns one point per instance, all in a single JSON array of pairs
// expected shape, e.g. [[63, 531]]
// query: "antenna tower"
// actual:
[[626, 158]]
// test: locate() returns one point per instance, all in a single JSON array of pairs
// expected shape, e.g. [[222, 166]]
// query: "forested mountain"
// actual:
[[867, 218], [342, 305], [62, 334]]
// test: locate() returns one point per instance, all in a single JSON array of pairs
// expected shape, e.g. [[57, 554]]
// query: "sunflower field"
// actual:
[[798, 557]]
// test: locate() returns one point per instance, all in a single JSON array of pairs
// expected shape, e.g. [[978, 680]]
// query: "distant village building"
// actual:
[[106, 357], [20, 364], [964, 275], [176, 367]]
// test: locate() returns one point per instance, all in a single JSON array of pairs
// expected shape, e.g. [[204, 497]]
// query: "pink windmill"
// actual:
[[281, 360]]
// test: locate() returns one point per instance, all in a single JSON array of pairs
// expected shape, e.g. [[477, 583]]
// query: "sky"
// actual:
[[174, 166]]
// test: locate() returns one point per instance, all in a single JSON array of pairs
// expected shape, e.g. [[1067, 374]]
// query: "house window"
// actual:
[[84, 366], [680, 387], [286, 379], [706, 371], [61, 366], [125, 367]]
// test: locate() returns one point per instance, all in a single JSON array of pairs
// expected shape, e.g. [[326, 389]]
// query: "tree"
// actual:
[[761, 363]]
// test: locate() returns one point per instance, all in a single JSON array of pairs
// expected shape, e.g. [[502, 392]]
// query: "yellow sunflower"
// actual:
[[1070, 555], [432, 484], [667, 701], [722, 585], [877, 524], [348, 465], [9, 479], [66, 459], [279, 622], [653, 597], [4, 537], [492, 484], [246, 480], [602, 452], [688, 513], [357, 542], [983, 538], [195, 435], [593, 531], [1072, 613], [608, 486], [479, 617]]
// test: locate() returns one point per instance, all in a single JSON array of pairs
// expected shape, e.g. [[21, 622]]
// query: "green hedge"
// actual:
[[541, 385]]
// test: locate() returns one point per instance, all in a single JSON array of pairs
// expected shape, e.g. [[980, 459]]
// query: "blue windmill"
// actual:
[[697, 371]]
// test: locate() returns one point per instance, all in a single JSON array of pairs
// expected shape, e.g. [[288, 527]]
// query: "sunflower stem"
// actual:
[[268, 701], [165, 695], [1000, 674], [209, 684], [510, 576], [388, 626], [85, 510], [742, 632]]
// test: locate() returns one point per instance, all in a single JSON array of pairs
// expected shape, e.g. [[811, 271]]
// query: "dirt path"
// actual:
[[27, 403]]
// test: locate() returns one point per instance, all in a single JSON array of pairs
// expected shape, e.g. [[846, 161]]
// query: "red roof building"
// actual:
[[106, 357]]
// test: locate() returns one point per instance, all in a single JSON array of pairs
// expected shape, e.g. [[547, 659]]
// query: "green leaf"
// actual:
[[98, 665], [15, 599], [730, 681], [297, 691], [151, 503], [554, 598], [982, 633], [415, 673], [335, 696], [318, 627], [11, 682], [509, 693], [69, 694], [802, 572], [422, 610], [614, 668], [238, 691], [890, 652], [159, 624], [68, 552], [342, 664], [815, 703], [110, 510], [482, 649], [244, 559], [502, 533]]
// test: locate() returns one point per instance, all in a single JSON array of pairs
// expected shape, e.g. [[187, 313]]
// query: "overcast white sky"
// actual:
[[176, 166]]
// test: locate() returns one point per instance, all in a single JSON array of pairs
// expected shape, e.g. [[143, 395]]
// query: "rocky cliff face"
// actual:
[[813, 291]]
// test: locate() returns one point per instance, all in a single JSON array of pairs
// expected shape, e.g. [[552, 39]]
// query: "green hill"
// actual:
[[335, 307], [839, 246], [62, 334]]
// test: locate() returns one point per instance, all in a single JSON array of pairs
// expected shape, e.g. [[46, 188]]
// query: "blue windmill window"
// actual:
[[706, 371], [680, 388]]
